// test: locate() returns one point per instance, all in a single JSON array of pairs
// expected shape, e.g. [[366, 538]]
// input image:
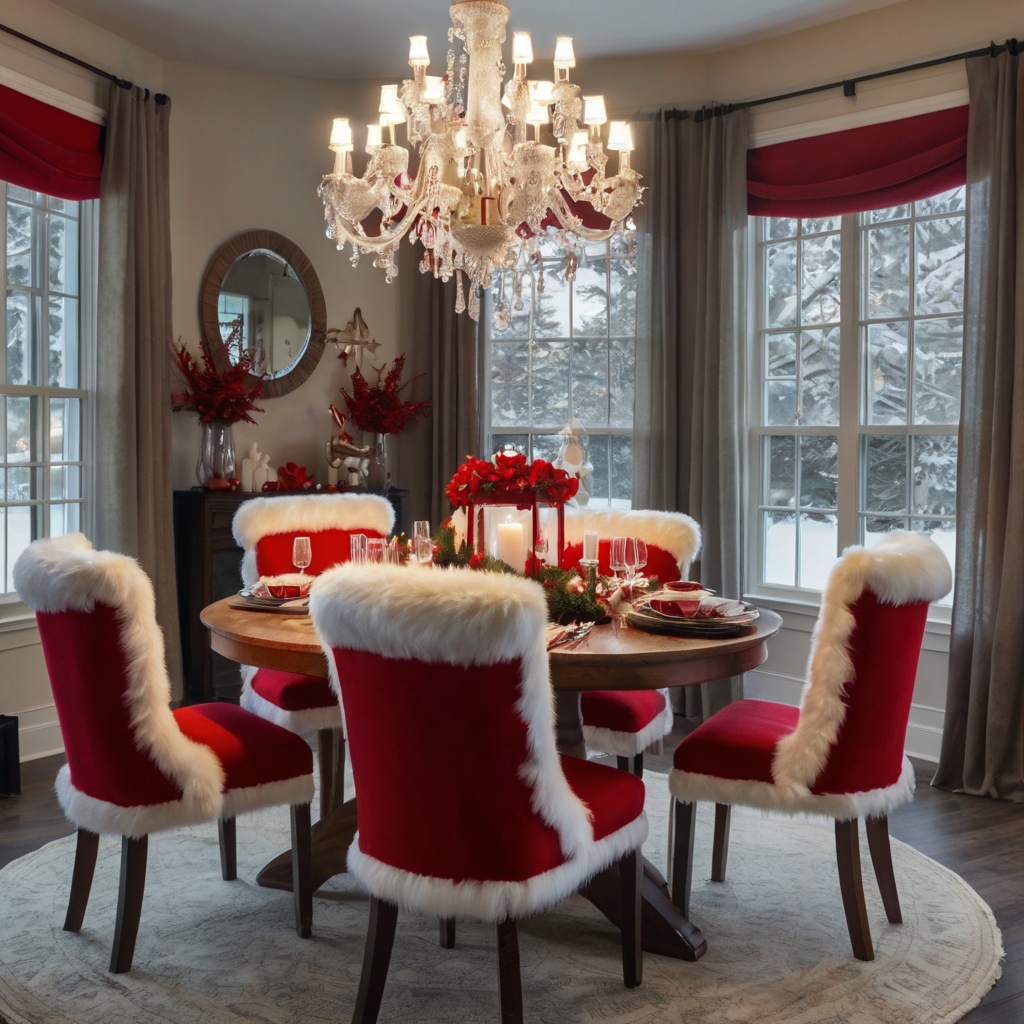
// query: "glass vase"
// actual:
[[216, 453], [378, 478]]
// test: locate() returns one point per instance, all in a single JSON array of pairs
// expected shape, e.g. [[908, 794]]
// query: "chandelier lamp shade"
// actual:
[[497, 172]]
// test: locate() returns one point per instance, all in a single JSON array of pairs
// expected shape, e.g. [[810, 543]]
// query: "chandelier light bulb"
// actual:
[[373, 138], [341, 135], [594, 111], [620, 136], [564, 56], [522, 48], [418, 55]]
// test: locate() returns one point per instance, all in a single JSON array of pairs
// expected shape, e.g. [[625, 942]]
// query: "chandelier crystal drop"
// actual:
[[487, 188]]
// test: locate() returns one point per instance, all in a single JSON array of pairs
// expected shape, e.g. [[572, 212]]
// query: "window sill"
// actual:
[[14, 615]]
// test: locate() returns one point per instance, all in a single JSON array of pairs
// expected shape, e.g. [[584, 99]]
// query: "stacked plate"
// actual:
[[738, 617]]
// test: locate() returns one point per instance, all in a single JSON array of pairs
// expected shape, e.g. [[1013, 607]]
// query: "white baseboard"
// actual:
[[924, 730], [39, 733]]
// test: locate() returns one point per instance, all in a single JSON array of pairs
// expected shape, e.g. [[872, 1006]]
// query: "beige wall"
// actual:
[[248, 151]]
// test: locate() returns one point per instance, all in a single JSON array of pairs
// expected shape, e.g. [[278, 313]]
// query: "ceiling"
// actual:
[[366, 38]]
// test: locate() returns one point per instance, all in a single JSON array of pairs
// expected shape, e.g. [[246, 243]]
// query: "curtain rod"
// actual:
[[159, 97], [849, 85]]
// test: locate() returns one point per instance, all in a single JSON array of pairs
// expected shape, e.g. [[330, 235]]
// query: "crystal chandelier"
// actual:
[[487, 189]]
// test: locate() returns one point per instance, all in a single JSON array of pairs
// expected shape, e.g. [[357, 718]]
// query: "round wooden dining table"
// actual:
[[611, 657]]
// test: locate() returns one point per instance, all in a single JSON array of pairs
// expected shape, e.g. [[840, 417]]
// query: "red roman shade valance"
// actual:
[[859, 169], [47, 149]]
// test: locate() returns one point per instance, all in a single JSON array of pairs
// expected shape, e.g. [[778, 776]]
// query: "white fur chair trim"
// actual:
[[629, 744], [690, 787], [493, 901], [902, 568], [673, 532], [306, 723], [263, 517]]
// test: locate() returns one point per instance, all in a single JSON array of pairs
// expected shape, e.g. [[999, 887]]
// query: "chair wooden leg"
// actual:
[[228, 857], [848, 859], [447, 932], [881, 858], [330, 745], [622, 763], [129, 902], [510, 984], [638, 765], [631, 876], [302, 870], [380, 937], [682, 855], [720, 850], [81, 880]]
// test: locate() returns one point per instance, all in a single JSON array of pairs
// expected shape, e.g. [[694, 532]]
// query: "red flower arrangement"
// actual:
[[510, 477], [379, 409], [223, 396]]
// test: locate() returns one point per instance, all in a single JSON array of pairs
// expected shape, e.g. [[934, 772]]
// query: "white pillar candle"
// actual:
[[511, 546], [590, 546]]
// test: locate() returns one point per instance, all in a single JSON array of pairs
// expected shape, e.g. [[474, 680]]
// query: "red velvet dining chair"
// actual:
[[265, 529], [840, 754], [492, 823], [626, 722], [134, 766]]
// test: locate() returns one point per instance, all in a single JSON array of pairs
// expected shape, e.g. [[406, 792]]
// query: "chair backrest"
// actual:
[[856, 701], [265, 528], [105, 657], [673, 539], [447, 704]]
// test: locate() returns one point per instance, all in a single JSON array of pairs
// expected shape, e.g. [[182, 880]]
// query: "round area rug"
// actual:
[[215, 952]]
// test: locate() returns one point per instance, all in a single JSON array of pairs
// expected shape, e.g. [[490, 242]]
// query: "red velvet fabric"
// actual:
[[87, 676], [615, 798], [328, 548], [621, 710], [292, 691], [252, 751], [660, 563], [738, 742], [48, 150], [866, 168], [456, 809]]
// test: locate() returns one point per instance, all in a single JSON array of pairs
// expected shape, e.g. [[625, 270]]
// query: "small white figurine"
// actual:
[[572, 457], [249, 466], [262, 473]]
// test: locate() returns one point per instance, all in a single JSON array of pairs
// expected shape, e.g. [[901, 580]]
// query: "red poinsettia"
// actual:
[[379, 408], [226, 396], [510, 477]]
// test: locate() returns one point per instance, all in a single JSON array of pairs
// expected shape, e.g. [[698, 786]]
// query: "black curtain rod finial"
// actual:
[[850, 87]]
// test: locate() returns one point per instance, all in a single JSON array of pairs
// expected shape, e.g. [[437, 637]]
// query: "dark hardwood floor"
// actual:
[[982, 840]]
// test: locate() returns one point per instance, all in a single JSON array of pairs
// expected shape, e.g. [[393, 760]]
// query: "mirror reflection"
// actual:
[[263, 313]]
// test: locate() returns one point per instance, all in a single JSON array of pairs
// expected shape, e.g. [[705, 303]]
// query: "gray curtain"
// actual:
[[441, 348], [133, 407], [691, 394], [982, 738]]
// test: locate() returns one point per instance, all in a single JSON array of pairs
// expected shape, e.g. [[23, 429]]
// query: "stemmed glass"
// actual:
[[641, 553], [375, 549], [302, 554], [357, 547], [422, 545], [617, 557], [629, 557]]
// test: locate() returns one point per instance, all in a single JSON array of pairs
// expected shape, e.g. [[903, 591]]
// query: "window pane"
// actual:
[[781, 290], [780, 403], [885, 474], [20, 361], [19, 535], [820, 284], [781, 483], [819, 472], [63, 338], [622, 468], [819, 549], [781, 227], [888, 271], [887, 374], [597, 451], [590, 382], [935, 475], [24, 194], [19, 245], [513, 322], [68, 206], [552, 317], [623, 376], [590, 301], [622, 312], [510, 376], [943, 533], [812, 225], [938, 361], [819, 359], [65, 482], [63, 255], [545, 446], [520, 441], [944, 202], [20, 435], [876, 527], [550, 384], [781, 357], [890, 213], [65, 430], [780, 548], [940, 265]]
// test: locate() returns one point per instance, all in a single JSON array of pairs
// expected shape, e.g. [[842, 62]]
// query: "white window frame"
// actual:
[[852, 429], [12, 611]]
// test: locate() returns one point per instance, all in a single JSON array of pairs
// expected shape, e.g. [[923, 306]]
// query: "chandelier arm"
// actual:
[[571, 222], [376, 243]]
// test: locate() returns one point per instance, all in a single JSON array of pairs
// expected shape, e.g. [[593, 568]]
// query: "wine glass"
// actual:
[[302, 554], [357, 547], [617, 558], [375, 549], [641, 553], [629, 556]]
